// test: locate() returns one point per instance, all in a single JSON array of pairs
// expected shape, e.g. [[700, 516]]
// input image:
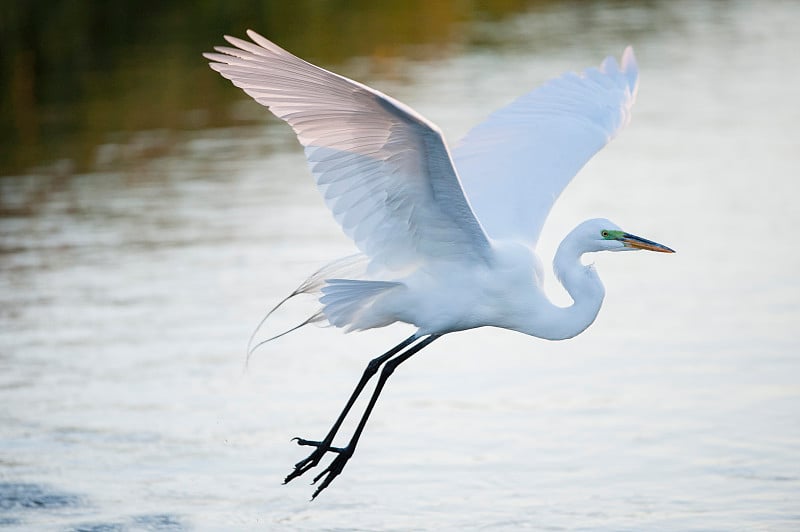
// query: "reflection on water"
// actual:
[[134, 270]]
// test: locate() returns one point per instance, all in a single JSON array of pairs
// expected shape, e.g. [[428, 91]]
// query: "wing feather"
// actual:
[[384, 170], [514, 165]]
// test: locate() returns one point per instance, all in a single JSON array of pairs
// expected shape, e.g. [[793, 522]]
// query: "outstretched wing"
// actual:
[[383, 169], [514, 165]]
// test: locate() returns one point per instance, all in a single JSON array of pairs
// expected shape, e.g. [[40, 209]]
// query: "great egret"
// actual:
[[446, 237]]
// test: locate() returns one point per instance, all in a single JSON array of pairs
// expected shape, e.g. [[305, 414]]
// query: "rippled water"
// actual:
[[127, 297]]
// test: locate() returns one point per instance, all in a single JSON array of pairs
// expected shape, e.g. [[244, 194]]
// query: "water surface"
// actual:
[[132, 280]]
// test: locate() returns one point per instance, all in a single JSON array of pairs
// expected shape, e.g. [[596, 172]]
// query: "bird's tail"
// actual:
[[345, 303]]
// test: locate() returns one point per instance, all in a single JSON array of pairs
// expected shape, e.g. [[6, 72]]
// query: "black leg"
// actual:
[[344, 454], [324, 446]]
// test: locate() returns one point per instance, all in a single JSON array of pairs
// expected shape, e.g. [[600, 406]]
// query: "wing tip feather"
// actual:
[[631, 70], [265, 43]]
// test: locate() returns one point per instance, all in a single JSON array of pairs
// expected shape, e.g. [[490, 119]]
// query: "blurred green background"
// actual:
[[76, 75]]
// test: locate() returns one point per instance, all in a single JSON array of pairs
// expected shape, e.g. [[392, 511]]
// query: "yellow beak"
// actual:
[[633, 241]]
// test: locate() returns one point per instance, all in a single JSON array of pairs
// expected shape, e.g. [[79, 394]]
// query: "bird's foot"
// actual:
[[332, 471], [313, 459]]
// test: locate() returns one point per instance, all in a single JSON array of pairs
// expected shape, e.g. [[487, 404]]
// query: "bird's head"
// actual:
[[600, 234]]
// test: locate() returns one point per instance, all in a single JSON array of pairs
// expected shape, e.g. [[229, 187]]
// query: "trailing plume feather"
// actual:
[[346, 266]]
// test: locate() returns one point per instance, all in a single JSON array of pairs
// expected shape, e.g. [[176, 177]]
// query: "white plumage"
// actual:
[[387, 175]]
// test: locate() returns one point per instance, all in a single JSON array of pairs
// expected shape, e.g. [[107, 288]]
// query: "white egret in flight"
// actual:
[[446, 237]]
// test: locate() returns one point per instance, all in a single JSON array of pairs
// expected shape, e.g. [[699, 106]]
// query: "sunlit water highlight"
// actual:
[[126, 305]]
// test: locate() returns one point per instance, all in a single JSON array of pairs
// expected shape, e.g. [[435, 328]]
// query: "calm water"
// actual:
[[128, 292]]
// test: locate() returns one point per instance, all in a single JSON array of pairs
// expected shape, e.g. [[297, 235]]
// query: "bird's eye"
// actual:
[[604, 233]]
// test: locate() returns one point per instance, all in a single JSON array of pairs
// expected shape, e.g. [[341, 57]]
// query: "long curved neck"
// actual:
[[584, 287]]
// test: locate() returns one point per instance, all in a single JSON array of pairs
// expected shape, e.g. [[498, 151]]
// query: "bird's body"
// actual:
[[442, 297], [447, 238]]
